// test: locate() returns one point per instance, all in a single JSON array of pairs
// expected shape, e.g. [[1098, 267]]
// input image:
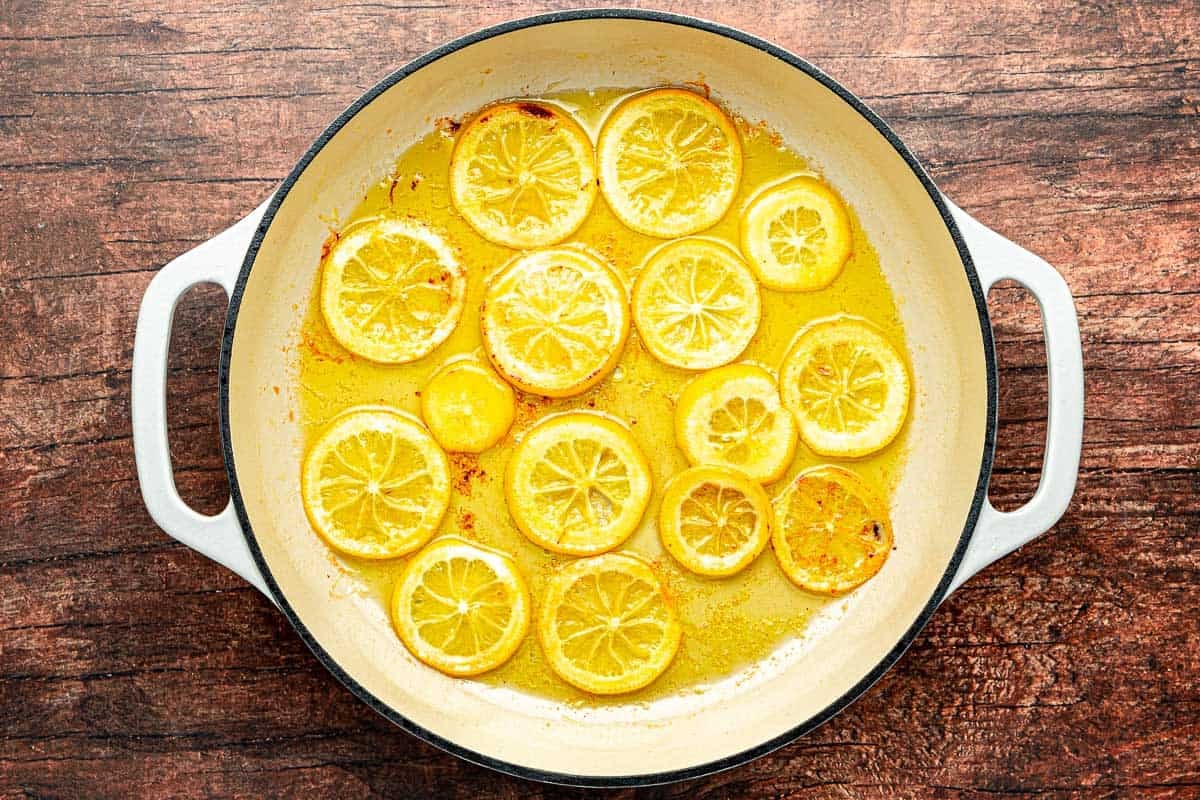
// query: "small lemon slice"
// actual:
[[832, 534], [607, 625], [392, 290], [714, 520], [670, 162], [523, 174], [732, 417], [461, 608], [577, 483], [796, 235], [375, 484], [554, 321], [847, 387], [696, 304], [466, 406]]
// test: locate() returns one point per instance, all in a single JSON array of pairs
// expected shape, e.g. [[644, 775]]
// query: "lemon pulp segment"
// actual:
[[375, 484], [554, 322], [732, 416], [797, 235], [578, 484], [696, 304], [714, 520], [466, 406], [607, 624], [523, 174], [847, 387], [670, 162], [832, 534], [392, 290], [461, 608]]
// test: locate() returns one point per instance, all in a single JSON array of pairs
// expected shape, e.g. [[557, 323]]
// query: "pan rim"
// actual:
[[805, 726]]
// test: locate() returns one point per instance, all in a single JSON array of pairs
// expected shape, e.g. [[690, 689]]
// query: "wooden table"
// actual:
[[133, 667]]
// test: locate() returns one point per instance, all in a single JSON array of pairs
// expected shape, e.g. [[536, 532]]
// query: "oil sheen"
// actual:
[[728, 624]]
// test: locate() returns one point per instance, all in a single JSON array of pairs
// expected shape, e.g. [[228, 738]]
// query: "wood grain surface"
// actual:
[[132, 667]]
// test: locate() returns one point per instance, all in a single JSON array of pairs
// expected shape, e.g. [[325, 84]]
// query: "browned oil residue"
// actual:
[[534, 110]]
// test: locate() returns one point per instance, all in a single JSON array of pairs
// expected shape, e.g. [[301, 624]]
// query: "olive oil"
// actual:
[[729, 624]]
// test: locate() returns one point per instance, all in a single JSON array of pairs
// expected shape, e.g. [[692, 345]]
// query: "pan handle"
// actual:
[[998, 533], [220, 536]]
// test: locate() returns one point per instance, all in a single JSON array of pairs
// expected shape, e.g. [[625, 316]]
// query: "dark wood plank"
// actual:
[[130, 666]]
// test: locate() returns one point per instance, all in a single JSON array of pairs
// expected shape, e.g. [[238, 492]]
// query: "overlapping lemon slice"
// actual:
[[461, 608], [392, 290], [577, 483], [796, 235], [714, 520], [607, 624], [554, 321], [732, 416], [696, 304], [523, 174], [832, 533], [375, 484], [466, 406], [670, 162], [847, 387]]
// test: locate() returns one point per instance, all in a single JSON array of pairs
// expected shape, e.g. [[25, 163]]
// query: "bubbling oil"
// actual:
[[729, 624]]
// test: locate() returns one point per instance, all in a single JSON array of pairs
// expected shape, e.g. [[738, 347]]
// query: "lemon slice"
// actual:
[[847, 387], [374, 484], [523, 175], [607, 625], [832, 534], [466, 406], [732, 417], [714, 520], [577, 484], [670, 162], [554, 321], [461, 608], [696, 304], [797, 235], [392, 290]]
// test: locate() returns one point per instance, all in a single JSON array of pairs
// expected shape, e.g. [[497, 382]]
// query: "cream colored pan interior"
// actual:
[[931, 506]]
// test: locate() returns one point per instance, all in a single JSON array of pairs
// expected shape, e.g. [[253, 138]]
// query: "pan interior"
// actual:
[[930, 505]]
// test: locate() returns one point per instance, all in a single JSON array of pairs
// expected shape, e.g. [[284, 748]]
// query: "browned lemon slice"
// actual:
[[554, 322], [696, 304], [374, 484], [670, 162], [714, 520], [523, 174], [578, 483], [607, 624], [392, 290], [461, 608], [832, 533], [731, 416], [847, 387]]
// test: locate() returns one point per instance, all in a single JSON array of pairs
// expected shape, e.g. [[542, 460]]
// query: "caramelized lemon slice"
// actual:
[[577, 484], [797, 235], [732, 417], [696, 304], [714, 520], [670, 162], [461, 608], [554, 321], [392, 290], [375, 484], [466, 406], [523, 175], [831, 533], [847, 387], [607, 624]]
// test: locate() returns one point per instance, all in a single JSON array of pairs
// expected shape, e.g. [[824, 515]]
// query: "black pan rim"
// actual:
[[763, 748]]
